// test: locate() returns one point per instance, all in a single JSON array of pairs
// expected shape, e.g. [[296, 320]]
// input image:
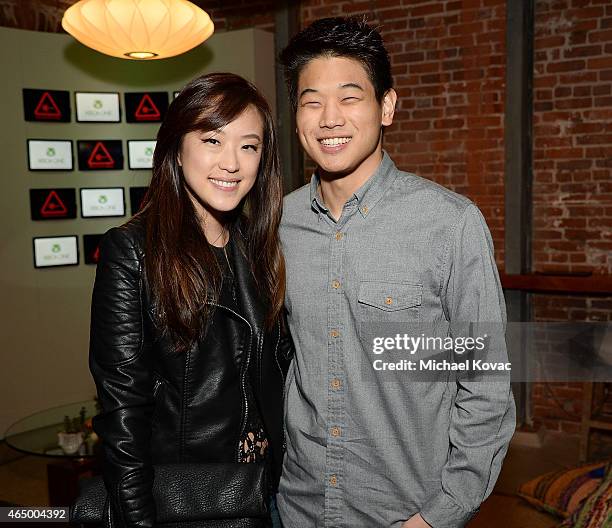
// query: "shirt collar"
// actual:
[[367, 195], [315, 198]]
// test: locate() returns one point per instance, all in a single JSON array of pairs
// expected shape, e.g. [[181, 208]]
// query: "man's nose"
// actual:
[[331, 116]]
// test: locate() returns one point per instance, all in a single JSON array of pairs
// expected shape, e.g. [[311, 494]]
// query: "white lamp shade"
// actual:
[[138, 29]]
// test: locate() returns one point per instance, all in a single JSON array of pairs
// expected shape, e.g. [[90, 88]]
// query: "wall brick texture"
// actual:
[[449, 68], [573, 137], [572, 191]]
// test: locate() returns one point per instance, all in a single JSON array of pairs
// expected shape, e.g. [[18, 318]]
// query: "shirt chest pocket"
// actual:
[[389, 301]]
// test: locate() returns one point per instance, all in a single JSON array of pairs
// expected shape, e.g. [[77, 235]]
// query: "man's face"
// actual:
[[338, 117]]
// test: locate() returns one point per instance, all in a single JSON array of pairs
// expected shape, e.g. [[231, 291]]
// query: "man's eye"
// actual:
[[350, 99], [311, 103]]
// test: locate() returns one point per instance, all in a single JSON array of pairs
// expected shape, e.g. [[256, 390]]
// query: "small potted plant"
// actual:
[[71, 438]]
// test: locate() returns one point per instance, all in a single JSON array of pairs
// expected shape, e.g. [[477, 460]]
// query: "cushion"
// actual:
[[596, 512], [562, 492]]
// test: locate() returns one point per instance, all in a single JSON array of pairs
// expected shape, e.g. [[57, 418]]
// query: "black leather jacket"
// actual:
[[160, 406]]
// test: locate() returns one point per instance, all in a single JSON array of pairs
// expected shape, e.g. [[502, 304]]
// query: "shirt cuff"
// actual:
[[441, 511]]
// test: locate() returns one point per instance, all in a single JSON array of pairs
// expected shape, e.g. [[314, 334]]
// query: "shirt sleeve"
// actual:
[[120, 365], [483, 414]]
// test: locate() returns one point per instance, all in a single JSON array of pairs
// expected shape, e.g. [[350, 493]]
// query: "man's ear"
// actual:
[[388, 107]]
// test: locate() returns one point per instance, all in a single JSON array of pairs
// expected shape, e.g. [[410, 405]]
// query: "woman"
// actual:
[[185, 334]]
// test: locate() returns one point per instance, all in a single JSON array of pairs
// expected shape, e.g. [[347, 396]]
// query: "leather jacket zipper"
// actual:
[[184, 404], [242, 376], [156, 386]]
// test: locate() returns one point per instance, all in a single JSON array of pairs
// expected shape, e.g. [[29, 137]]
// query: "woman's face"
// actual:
[[220, 167]]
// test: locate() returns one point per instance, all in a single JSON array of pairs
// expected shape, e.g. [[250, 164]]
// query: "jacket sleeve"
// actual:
[[483, 416], [120, 365], [286, 346]]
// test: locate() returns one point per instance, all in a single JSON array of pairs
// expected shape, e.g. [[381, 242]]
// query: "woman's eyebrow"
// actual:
[[251, 136]]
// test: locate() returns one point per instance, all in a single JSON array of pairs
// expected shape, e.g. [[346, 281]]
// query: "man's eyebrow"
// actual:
[[352, 85], [305, 91], [345, 85]]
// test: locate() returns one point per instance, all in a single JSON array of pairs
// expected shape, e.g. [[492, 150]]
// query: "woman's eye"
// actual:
[[350, 99], [252, 147], [212, 141]]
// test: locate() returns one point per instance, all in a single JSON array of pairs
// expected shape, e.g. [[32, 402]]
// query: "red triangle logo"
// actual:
[[100, 157], [95, 256], [53, 206], [47, 108], [147, 111]]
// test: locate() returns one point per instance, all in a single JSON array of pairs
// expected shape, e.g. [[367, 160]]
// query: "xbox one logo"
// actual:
[[50, 152], [149, 151], [102, 199], [97, 104], [56, 248]]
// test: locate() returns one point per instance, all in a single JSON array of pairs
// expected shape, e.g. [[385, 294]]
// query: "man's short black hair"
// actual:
[[338, 37]]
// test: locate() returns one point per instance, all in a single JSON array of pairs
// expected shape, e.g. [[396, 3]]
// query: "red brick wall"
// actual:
[[572, 193], [240, 14], [573, 137], [557, 406]]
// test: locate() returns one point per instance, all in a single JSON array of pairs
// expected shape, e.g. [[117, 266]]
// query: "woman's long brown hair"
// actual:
[[181, 269]]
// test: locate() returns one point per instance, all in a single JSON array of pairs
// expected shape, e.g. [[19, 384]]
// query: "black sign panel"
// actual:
[[100, 155], [46, 105], [145, 107], [52, 204], [91, 244], [137, 195]]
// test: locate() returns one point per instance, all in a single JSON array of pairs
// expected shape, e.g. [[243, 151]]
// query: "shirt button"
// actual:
[[334, 333], [333, 480], [339, 235], [335, 284], [364, 209], [335, 431], [388, 301], [336, 384]]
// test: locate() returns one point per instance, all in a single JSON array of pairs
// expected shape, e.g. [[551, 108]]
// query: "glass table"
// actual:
[[37, 435]]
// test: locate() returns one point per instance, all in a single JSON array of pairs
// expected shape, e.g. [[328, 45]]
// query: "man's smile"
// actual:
[[334, 141]]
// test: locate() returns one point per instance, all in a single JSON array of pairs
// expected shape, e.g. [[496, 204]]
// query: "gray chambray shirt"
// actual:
[[365, 452]]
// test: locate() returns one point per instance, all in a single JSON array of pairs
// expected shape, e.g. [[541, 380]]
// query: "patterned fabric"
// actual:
[[562, 492], [596, 511], [253, 447]]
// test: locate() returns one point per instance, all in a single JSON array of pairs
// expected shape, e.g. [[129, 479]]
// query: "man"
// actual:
[[365, 242]]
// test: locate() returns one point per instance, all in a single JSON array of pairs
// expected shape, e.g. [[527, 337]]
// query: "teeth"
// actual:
[[223, 183], [332, 142]]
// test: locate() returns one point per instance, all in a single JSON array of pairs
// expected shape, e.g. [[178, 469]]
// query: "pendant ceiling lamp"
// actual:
[[138, 29]]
